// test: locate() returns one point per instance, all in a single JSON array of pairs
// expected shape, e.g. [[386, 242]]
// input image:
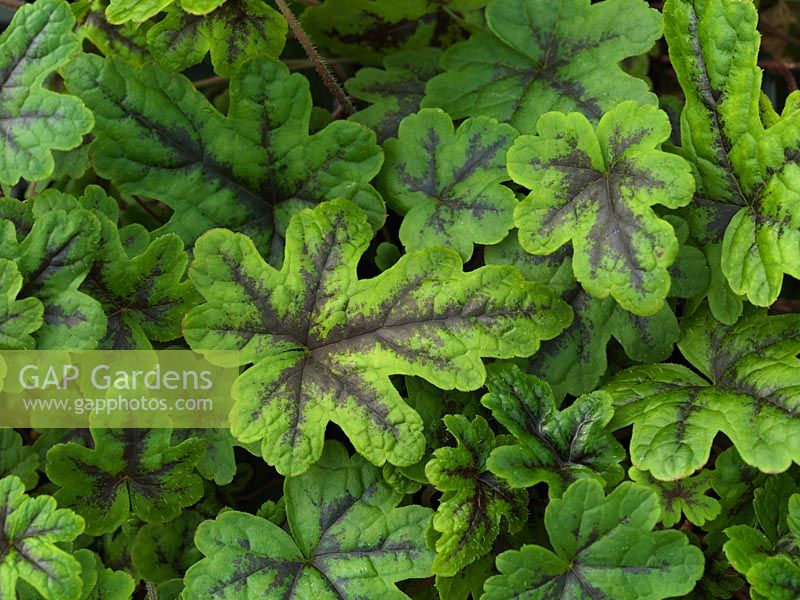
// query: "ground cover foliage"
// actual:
[[513, 286]]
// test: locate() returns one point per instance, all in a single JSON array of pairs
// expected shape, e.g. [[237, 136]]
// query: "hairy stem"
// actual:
[[319, 63]]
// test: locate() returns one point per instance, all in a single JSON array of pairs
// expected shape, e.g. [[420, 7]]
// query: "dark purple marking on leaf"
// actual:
[[114, 32], [383, 34], [56, 258], [54, 314]]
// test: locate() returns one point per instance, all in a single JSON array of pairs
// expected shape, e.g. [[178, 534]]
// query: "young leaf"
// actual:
[[596, 188], [218, 462], [447, 182], [474, 499], [687, 496], [16, 459], [236, 32], [129, 471], [546, 55], [346, 539], [138, 11], [324, 343], [165, 552], [18, 318], [751, 395], [555, 447], [394, 92], [30, 530], [158, 137], [34, 121], [603, 547], [744, 164]]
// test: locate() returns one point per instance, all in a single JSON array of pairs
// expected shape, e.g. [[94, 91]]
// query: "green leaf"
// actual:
[[128, 471], [394, 92], [371, 29], [750, 394], [596, 189], [127, 41], [324, 343], [218, 462], [18, 318], [236, 32], [165, 552], [16, 459], [34, 121], [31, 530], [346, 539], [138, 11], [447, 182], [101, 583], [54, 249], [547, 55], [474, 499], [687, 496], [748, 168], [158, 137], [555, 447], [603, 548]]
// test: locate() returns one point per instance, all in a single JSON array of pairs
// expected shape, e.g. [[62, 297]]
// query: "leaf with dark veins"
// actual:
[[604, 548], [547, 55], [234, 33], [346, 539], [31, 530], [18, 318], [128, 472], [34, 121], [474, 499], [750, 391], [324, 343], [747, 165], [395, 91], [555, 447], [596, 188], [158, 137], [447, 182], [686, 496]]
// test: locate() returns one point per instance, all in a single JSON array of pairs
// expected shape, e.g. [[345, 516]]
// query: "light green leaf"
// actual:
[[127, 41], [748, 169], [447, 182], [555, 447], [687, 496], [603, 548], [158, 137], [18, 318], [128, 471], [31, 530], [324, 343], [346, 539], [236, 32], [394, 92], [34, 121], [16, 459], [750, 393], [547, 55], [474, 499], [596, 189]]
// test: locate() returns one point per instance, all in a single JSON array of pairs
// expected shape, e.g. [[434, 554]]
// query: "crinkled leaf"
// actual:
[[218, 462], [346, 539], [34, 121], [16, 459], [129, 471], [138, 11], [596, 189], [750, 394], [164, 552], [555, 447], [746, 165], [236, 32], [474, 499], [394, 92], [128, 40], [545, 55], [31, 530], [101, 583], [686, 496], [323, 342], [447, 182], [370, 29], [603, 548], [18, 318], [158, 137]]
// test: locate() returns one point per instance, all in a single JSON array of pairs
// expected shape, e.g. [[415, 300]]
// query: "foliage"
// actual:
[[512, 287]]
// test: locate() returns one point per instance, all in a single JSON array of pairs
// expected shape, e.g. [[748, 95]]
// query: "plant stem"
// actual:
[[204, 83], [324, 72]]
